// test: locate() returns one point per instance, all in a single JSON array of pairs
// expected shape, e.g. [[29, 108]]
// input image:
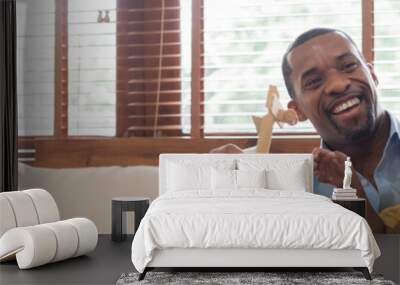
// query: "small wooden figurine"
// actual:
[[275, 113]]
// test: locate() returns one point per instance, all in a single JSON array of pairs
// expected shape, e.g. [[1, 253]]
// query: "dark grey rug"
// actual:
[[229, 278]]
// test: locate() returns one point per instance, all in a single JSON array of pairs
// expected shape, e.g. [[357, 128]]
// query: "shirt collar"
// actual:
[[394, 126]]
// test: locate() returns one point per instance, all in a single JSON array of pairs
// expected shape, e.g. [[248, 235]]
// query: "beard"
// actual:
[[362, 131]]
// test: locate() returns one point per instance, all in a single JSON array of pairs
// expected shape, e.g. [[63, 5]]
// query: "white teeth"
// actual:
[[346, 105]]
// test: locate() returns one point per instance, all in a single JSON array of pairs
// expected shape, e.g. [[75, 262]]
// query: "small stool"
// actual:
[[123, 204]]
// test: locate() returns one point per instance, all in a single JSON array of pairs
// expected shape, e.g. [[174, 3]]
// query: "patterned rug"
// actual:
[[230, 278]]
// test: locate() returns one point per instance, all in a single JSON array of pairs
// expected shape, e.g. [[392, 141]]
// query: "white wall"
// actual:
[[87, 192]]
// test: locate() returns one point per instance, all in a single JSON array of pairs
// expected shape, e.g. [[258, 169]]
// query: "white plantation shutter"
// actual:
[[387, 53], [91, 68], [35, 67], [244, 42]]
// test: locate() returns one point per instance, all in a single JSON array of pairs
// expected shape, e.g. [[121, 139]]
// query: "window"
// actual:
[[170, 68], [149, 83], [91, 67], [240, 55], [243, 49], [387, 53], [35, 67]]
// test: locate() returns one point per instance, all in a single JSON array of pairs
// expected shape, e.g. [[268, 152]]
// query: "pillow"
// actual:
[[293, 180], [281, 174], [223, 179], [228, 179], [183, 177], [251, 178]]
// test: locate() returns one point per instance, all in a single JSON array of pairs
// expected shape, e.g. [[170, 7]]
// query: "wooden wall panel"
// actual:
[[83, 152]]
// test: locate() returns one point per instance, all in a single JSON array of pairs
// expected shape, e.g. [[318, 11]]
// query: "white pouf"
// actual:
[[31, 232]]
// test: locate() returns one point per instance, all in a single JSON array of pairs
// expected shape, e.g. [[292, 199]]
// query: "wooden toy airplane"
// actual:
[[276, 113]]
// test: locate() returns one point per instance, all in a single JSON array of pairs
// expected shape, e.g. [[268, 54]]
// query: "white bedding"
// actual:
[[251, 218]]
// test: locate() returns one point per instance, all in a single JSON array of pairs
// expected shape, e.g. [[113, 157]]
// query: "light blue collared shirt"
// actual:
[[386, 174]]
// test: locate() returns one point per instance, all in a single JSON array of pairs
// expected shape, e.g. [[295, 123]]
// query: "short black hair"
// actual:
[[308, 35]]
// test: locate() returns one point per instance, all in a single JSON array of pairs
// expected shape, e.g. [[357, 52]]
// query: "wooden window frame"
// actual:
[[367, 10], [61, 69]]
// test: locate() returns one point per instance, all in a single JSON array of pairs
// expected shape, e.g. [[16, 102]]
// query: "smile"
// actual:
[[346, 105]]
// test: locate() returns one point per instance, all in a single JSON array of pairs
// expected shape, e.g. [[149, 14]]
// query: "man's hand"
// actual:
[[329, 166], [228, 148]]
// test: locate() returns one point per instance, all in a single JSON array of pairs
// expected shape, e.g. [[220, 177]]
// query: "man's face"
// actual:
[[335, 89]]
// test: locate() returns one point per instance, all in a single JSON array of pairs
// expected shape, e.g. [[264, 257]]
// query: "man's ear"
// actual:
[[293, 105], [373, 74]]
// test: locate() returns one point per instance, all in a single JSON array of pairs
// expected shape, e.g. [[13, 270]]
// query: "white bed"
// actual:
[[202, 220]]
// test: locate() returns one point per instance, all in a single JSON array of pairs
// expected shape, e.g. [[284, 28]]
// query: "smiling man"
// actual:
[[332, 85]]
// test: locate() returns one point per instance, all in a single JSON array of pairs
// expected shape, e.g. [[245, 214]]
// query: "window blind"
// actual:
[[92, 67], [149, 68], [35, 67], [243, 49], [387, 53]]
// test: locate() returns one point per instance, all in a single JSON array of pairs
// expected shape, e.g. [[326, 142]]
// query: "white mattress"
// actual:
[[250, 219]]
